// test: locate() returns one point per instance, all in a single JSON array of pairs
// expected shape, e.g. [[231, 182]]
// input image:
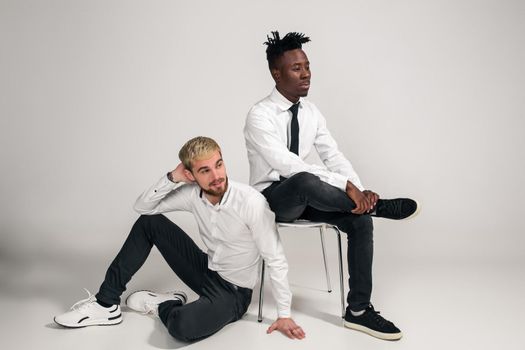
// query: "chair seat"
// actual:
[[303, 223]]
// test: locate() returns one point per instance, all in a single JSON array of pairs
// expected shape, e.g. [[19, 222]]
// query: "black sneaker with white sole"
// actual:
[[372, 323], [396, 209]]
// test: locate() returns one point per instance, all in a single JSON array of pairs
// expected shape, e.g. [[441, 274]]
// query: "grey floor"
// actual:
[[437, 304]]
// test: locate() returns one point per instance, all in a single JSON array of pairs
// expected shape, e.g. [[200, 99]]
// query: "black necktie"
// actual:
[[294, 129]]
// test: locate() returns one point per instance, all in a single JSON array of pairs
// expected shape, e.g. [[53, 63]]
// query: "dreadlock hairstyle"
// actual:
[[277, 46]]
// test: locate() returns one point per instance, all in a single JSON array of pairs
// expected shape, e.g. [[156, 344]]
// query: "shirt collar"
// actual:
[[282, 102]]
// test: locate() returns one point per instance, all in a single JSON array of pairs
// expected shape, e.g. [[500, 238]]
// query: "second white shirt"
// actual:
[[266, 134], [236, 232]]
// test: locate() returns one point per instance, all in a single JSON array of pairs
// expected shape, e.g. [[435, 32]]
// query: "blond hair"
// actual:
[[200, 147]]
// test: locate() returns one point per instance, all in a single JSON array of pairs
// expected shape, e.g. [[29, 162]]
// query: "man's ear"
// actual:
[[189, 175], [276, 74]]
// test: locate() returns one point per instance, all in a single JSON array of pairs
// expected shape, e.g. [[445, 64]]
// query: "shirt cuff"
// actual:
[[162, 188], [340, 181], [284, 313], [167, 183]]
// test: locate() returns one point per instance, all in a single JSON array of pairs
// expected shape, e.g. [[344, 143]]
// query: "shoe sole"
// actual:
[[181, 293], [94, 323], [376, 334]]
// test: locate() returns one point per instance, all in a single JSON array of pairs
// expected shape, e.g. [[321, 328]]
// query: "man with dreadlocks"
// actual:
[[280, 132]]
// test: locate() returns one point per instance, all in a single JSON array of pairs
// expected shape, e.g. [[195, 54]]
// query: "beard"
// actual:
[[216, 193]]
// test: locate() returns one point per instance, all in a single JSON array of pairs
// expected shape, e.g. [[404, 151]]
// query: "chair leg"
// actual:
[[341, 283], [259, 317], [328, 284]]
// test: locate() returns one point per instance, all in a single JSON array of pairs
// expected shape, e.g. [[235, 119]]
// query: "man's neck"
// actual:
[[213, 199], [292, 99]]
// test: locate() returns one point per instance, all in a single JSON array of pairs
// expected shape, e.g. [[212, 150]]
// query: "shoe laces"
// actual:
[[84, 303], [151, 309], [395, 206], [376, 315]]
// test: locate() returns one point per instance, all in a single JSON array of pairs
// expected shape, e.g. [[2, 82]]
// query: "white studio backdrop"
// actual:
[[426, 98]]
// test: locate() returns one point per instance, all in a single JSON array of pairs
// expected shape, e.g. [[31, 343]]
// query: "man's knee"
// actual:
[[149, 219], [179, 332], [177, 326], [150, 225], [149, 222], [304, 181], [185, 327]]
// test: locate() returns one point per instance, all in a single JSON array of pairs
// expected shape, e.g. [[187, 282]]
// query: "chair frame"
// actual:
[[322, 229]]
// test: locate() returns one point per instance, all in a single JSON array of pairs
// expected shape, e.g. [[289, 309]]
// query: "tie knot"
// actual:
[[294, 108]]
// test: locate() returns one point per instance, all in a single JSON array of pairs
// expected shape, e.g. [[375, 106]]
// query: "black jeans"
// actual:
[[305, 196], [220, 302]]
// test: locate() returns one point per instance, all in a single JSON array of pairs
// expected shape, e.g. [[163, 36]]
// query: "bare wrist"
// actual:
[[350, 187]]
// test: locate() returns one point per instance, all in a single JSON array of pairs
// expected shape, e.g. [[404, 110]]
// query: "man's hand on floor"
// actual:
[[288, 327]]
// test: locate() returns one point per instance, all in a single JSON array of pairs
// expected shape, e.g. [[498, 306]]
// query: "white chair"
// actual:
[[322, 228]]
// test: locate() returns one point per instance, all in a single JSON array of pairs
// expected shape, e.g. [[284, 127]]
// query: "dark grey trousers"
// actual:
[[305, 196], [220, 302]]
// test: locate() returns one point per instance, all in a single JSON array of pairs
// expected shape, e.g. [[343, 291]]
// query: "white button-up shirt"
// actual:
[[236, 232], [267, 133]]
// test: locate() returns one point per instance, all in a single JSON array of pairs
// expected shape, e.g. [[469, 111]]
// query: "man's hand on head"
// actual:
[[288, 327], [178, 175]]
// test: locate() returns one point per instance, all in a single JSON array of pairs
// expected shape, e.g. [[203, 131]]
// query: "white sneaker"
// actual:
[[147, 302], [88, 312]]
